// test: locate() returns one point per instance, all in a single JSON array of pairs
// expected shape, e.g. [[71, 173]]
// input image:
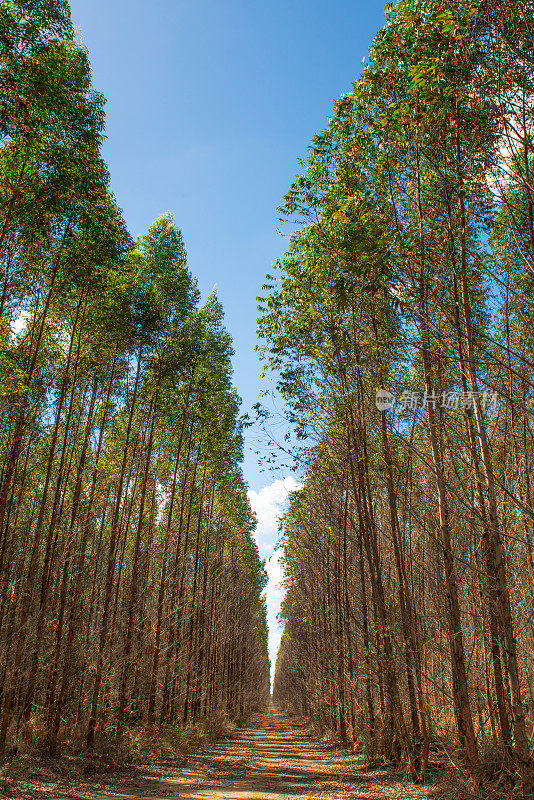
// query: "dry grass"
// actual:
[[275, 755], [141, 758]]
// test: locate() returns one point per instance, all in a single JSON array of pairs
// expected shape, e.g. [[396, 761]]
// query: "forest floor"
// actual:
[[274, 758]]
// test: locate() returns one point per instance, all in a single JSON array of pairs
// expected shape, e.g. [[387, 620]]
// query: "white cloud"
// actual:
[[268, 504]]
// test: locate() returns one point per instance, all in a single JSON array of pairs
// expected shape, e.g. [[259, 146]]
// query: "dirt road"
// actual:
[[276, 758], [272, 759]]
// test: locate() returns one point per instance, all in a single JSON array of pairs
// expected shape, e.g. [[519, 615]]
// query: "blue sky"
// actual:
[[209, 105]]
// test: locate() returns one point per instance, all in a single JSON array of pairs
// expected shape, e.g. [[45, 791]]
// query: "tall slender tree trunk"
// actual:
[[106, 604], [462, 707]]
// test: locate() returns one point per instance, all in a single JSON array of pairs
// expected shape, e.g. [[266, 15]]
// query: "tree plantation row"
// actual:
[[130, 584], [409, 549]]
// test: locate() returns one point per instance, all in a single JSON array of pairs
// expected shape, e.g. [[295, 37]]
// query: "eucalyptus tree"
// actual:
[[385, 287], [119, 435], [55, 155]]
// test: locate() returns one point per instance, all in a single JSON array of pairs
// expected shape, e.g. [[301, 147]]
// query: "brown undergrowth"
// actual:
[[138, 761], [273, 757]]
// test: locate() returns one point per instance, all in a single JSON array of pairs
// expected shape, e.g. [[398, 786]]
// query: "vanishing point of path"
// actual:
[[274, 758]]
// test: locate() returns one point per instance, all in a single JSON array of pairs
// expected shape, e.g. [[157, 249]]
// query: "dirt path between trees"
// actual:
[[274, 758]]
